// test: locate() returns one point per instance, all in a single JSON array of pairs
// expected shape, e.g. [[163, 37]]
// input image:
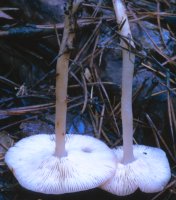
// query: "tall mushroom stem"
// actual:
[[127, 80], [62, 80], [138, 166]]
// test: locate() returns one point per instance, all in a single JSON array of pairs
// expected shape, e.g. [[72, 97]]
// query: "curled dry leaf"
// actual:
[[88, 75]]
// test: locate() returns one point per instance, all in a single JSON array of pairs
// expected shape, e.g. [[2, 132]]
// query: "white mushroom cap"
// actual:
[[88, 164], [150, 172]]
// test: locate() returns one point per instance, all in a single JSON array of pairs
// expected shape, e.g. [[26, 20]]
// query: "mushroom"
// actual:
[[60, 163], [138, 166]]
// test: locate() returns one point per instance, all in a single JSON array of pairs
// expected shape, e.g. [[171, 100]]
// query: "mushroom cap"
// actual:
[[150, 172], [88, 164]]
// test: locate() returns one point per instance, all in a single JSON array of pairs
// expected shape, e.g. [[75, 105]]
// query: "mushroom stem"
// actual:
[[127, 80], [61, 84], [126, 109]]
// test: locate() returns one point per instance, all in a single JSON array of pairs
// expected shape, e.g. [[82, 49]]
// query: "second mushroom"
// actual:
[[138, 166]]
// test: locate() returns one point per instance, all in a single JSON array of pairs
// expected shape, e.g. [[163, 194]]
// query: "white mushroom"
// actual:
[[149, 172], [88, 164], [57, 164], [138, 166]]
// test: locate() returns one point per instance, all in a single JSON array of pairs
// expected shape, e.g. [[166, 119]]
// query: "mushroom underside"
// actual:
[[150, 172], [88, 164]]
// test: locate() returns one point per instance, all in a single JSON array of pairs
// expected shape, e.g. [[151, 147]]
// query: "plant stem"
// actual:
[[127, 81]]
